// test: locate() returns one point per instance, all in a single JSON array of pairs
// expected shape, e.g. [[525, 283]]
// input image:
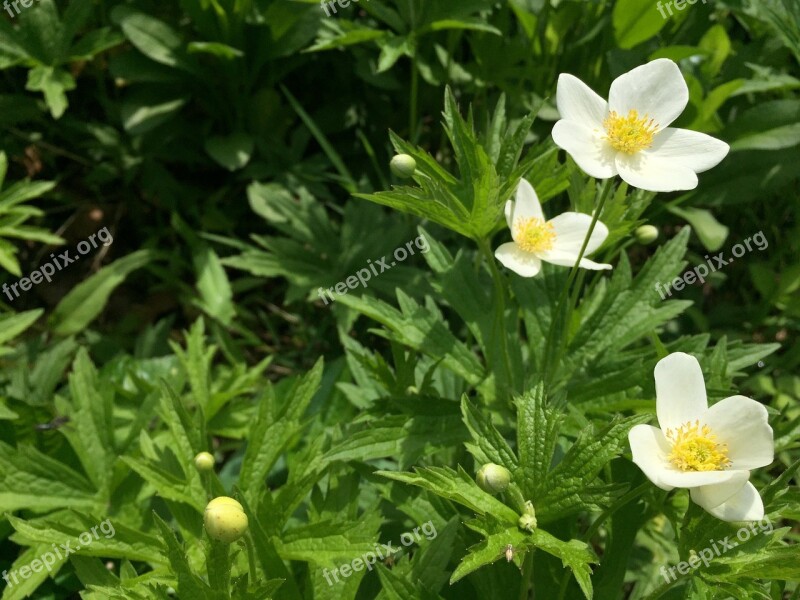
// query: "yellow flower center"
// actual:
[[534, 234], [629, 134], [695, 448]]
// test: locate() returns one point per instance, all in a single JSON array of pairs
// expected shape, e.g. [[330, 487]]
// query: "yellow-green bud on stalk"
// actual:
[[646, 234], [204, 461], [225, 520], [493, 478], [527, 520], [403, 166]]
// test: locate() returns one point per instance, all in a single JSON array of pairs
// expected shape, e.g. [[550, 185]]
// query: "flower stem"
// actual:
[[527, 576], [251, 557], [563, 310], [631, 495], [499, 329], [412, 119], [412, 124], [662, 589]]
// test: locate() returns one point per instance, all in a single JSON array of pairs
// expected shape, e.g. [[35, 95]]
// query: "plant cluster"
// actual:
[[513, 411]]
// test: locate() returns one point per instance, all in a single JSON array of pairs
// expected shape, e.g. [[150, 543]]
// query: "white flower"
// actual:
[[557, 241], [630, 135], [708, 450]]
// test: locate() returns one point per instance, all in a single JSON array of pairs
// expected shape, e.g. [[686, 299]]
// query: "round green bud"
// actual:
[[646, 234], [204, 461], [403, 166], [225, 520], [493, 478]]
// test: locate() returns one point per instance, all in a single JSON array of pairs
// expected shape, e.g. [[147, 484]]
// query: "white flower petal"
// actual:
[[693, 479], [650, 450], [509, 212], [526, 203], [690, 149], [578, 102], [522, 263], [711, 496], [594, 266], [564, 258], [656, 90], [746, 505], [571, 229], [742, 424], [587, 148], [655, 174], [680, 391]]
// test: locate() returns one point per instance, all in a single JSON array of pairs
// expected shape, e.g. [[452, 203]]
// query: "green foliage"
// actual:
[[488, 173], [239, 151], [14, 212]]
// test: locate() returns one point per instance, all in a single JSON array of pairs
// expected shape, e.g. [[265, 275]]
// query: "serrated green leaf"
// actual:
[[489, 445], [270, 435], [458, 486], [122, 542], [189, 585], [31, 480], [537, 434]]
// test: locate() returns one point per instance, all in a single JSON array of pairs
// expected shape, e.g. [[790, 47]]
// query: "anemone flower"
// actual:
[[557, 241], [710, 451], [630, 135]]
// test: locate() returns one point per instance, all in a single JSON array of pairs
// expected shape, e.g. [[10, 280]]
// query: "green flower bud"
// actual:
[[527, 521], [204, 461], [403, 166], [225, 520], [493, 478], [646, 234]]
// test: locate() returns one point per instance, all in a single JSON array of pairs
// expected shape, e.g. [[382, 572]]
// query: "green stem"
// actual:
[[562, 590], [251, 557], [412, 124], [412, 119], [593, 528], [218, 566], [631, 495], [662, 589], [563, 310], [515, 496], [500, 311], [527, 576]]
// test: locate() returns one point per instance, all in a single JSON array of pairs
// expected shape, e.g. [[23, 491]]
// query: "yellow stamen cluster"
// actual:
[[534, 234], [631, 133], [695, 448]]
